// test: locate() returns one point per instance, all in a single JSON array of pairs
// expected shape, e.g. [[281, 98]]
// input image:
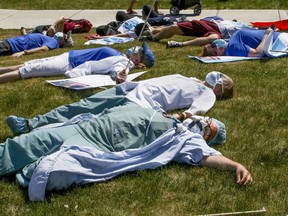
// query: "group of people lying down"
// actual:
[[102, 126], [127, 127], [218, 36]]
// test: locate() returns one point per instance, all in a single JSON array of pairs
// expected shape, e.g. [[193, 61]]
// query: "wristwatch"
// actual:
[[182, 116]]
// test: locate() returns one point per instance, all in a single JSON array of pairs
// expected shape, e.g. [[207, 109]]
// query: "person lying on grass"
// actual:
[[165, 93], [34, 43], [114, 134], [247, 43], [48, 30], [205, 30], [75, 63]]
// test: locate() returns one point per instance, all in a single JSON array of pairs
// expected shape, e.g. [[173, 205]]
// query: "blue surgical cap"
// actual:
[[220, 137]]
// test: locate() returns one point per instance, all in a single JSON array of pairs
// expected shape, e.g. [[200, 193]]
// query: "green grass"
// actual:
[[123, 4], [256, 121]]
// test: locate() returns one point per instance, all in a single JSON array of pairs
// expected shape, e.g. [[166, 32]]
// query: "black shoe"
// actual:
[[147, 36]]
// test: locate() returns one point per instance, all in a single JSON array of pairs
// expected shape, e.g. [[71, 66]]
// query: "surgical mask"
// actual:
[[214, 78], [132, 50], [58, 35], [219, 43], [196, 124]]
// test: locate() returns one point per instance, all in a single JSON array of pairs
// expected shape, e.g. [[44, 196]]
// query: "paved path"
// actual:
[[14, 19]]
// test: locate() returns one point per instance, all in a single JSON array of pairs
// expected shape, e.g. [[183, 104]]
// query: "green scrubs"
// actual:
[[123, 127], [94, 104]]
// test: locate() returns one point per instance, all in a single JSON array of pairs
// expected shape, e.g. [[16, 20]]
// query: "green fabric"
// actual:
[[123, 127], [94, 104], [21, 150]]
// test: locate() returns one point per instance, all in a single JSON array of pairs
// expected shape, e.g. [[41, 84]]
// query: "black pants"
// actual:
[[121, 16], [5, 48]]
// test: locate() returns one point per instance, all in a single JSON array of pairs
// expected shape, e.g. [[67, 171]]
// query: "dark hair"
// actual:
[[204, 52]]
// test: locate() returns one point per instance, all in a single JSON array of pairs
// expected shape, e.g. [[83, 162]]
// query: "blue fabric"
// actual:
[[210, 18], [78, 57], [109, 41], [242, 41], [31, 41], [80, 165]]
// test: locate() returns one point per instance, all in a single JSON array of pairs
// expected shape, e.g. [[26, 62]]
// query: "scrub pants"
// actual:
[[25, 149], [94, 104]]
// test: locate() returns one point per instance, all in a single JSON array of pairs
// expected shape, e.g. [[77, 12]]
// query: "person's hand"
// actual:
[[18, 54], [93, 36], [121, 76], [268, 30], [243, 176]]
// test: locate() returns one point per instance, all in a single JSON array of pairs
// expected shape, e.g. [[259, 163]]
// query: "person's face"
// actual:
[[219, 90], [210, 130], [61, 42], [136, 58], [214, 50]]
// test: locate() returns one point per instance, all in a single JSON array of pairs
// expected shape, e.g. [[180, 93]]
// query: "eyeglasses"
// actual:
[[207, 130]]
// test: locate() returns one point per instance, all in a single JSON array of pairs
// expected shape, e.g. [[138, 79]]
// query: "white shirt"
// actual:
[[171, 92], [110, 65], [129, 25], [228, 27]]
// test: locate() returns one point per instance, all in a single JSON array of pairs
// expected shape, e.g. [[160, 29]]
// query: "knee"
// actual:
[[172, 28]]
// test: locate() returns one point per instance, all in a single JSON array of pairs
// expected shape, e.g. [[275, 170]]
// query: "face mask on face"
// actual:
[[219, 43], [214, 78], [58, 35], [136, 50], [196, 124]]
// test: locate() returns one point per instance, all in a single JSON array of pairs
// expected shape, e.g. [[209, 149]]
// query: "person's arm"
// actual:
[[107, 36], [31, 51], [113, 64], [259, 51], [201, 41], [57, 26], [182, 115], [243, 176]]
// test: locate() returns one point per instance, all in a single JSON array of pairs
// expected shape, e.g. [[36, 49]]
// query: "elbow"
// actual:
[[213, 37]]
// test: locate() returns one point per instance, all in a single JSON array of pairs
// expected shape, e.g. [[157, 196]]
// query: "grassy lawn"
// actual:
[[256, 122], [123, 4]]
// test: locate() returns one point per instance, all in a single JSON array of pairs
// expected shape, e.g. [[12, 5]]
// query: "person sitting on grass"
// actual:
[[247, 43], [165, 93], [75, 63], [120, 130]]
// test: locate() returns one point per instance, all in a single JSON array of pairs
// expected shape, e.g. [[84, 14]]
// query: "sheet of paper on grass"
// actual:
[[90, 81], [109, 41], [222, 59]]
